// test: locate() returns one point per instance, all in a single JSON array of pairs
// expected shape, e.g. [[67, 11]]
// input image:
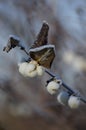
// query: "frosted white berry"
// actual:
[[52, 87], [22, 67], [30, 67], [30, 70], [40, 70], [74, 102], [63, 98]]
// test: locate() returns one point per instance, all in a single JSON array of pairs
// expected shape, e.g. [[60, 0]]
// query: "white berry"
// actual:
[[30, 70], [22, 67], [40, 70], [74, 102], [52, 87], [63, 98]]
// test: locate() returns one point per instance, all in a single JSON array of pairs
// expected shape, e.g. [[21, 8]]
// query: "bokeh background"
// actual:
[[24, 102]]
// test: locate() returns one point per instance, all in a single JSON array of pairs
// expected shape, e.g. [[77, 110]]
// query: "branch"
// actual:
[[37, 53], [71, 91]]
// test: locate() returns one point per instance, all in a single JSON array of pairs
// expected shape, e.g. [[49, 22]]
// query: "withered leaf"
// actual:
[[13, 41]]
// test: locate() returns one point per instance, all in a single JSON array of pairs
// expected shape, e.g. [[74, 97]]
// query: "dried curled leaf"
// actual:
[[40, 51], [42, 37], [13, 41]]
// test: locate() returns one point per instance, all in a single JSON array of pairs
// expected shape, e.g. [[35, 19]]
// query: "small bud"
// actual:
[[74, 102], [63, 98], [52, 87], [40, 70]]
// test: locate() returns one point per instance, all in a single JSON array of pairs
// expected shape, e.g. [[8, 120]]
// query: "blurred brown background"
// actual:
[[24, 102]]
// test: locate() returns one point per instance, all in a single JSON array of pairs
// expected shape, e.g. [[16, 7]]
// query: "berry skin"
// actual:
[[74, 102], [22, 67], [28, 69], [63, 98], [31, 70], [52, 87], [40, 70]]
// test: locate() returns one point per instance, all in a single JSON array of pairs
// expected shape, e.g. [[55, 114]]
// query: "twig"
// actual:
[[23, 49]]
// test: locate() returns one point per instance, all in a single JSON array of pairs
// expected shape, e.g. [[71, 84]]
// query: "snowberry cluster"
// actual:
[[32, 69]]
